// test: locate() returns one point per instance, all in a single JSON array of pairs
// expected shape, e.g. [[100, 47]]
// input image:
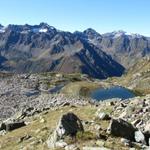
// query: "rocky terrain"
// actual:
[[112, 124], [36, 113], [33, 92]]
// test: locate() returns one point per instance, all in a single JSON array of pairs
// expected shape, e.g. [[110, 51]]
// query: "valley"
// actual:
[[73, 91]]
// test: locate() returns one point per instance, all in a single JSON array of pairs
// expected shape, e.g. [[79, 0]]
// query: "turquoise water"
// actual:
[[113, 92]]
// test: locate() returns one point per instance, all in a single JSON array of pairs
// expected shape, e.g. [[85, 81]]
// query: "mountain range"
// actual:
[[42, 48]]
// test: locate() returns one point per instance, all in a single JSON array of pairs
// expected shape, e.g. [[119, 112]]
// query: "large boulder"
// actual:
[[68, 125], [121, 128]]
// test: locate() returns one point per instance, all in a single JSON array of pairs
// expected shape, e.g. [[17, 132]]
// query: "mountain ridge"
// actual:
[[38, 48]]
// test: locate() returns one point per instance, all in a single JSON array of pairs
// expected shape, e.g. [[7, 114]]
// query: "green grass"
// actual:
[[137, 92], [79, 88], [38, 130], [87, 135]]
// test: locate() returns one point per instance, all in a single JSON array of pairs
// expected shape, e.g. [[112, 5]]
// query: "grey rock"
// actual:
[[68, 125], [60, 144], [121, 128], [125, 141], [103, 116], [2, 132], [71, 147], [147, 127], [139, 137]]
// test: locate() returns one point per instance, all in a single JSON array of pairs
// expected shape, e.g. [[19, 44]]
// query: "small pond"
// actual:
[[112, 92]]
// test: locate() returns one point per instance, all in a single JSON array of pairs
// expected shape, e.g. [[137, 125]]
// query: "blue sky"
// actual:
[[132, 16]]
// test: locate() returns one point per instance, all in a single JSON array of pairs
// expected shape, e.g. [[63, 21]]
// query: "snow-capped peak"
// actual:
[[135, 35], [42, 28], [118, 33]]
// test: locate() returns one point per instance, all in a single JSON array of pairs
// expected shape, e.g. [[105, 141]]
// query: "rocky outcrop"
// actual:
[[121, 128], [68, 125]]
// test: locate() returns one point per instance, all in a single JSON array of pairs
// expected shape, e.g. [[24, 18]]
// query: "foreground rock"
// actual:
[[121, 128], [68, 125]]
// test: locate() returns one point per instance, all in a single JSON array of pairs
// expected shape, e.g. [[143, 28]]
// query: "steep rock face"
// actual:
[[39, 48], [124, 48]]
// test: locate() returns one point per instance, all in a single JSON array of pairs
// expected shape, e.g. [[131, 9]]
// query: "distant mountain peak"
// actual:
[[135, 35], [43, 24], [92, 34], [115, 34], [90, 31], [119, 33], [2, 29]]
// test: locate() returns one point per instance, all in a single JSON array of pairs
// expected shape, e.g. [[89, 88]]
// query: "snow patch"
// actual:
[[43, 30]]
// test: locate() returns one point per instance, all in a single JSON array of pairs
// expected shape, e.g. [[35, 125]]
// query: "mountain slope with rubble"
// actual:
[[35, 116], [96, 121]]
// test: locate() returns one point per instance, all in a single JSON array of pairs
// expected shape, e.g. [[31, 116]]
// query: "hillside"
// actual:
[[137, 77]]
